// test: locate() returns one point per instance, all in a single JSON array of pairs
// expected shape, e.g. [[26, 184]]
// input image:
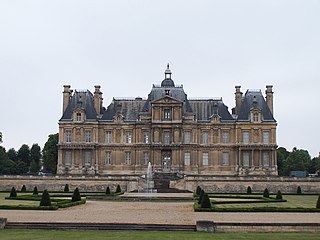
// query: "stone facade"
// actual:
[[174, 133]]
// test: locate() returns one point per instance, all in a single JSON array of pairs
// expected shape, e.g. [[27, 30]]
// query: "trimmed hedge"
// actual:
[[25, 207], [13, 192], [45, 199], [249, 190]]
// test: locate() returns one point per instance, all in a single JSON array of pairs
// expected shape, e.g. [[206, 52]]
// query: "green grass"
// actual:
[[4, 201], [13, 234]]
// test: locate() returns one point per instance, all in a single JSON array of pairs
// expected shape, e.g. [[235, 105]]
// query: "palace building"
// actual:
[[174, 133]]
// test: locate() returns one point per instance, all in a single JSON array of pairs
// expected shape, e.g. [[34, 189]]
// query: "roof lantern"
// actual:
[[167, 82]]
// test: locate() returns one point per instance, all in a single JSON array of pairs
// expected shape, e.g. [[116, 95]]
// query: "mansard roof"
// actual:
[[254, 99], [82, 100]]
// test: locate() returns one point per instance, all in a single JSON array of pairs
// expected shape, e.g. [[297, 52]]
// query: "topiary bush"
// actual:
[[45, 199], [205, 202], [13, 192], [76, 195], [118, 190], [108, 192], [23, 189], [249, 190], [279, 195], [266, 193], [35, 191], [201, 196], [66, 188], [318, 202], [299, 191], [198, 190]]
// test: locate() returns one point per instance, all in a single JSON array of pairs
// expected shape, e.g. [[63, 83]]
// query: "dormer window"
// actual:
[[255, 116], [79, 117]]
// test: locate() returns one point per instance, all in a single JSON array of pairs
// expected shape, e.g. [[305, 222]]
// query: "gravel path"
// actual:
[[149, 212]]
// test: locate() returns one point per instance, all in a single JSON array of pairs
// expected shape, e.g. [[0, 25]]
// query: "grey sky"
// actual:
[[124, 46]]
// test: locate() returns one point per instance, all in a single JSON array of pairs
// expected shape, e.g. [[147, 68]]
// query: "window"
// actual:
[[145, 137], [225, 137], [205, 137], [167, 114], [245, 160], [108, 137], [266, 158], [145, 158], [255, 117], [167, 138], [68, 136], [87, 158], [88, 136], [108, 158], [225, 158], [205, 159], [127, 158], [265, 136], [187, 136], [128, 137], [67, 158], [79, 118], [245, 137], [187, 158]]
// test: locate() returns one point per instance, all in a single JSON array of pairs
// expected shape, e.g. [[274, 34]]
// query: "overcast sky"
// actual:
[[124, 46]]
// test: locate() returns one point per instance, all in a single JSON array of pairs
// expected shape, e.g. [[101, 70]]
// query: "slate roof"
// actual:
[[254, 98]]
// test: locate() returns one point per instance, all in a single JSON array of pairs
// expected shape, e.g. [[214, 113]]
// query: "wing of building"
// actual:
[[174, 133]]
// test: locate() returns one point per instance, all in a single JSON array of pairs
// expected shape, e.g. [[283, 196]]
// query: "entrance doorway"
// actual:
[[166, 161]]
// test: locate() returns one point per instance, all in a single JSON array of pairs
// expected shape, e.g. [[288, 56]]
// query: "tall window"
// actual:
[[79, 117], [167, 114], [205, 159], [205, 137], [88, 136], [225, 158], [166, 137], [187, 158], [145, 137], [265, 137], [225, 137], [255, 117], [108, 137], [187, 136], [68, 136], [245, 137], [108, 158], [128, 137], [67, 158], [245, 159], [127, 158], [145, 158], [87, 158], [266, 158]]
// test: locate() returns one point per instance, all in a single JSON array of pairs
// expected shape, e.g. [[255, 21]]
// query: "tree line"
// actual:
[[29, 160]]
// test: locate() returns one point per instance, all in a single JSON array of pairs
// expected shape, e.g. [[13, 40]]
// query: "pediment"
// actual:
[[166, 100]]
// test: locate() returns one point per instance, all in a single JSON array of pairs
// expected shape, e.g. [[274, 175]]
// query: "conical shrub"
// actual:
[[249, 190], [118, 190], [13, 192], [266, 193], [66, 188], [35, 191], [299, 191], [205, 202], [201, 196], [279, 195], [76, 195], [318, 202], [23, 189], [45, 199], [108, 192], [198, 190]]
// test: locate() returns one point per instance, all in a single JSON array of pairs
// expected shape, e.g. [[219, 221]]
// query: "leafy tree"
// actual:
[[299, 191], [201, 196], [0, 137], [76, 195], [118, 190], [205, 202], [35, 155], [24, 154], [66, 188], [34, 168], [13, 192], [279, 195], [318, 202], [314, 165], [108, 192], [21, 168], [23, 189], [13, 155], [282, 155], [266, 193], [45, 199], [249, 190], [35, 191], [298, 160], [50, 153], [198, 190]]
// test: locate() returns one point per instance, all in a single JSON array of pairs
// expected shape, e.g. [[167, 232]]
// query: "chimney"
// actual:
[[269, 97], [238, 97], [97, 99], [66, 97]]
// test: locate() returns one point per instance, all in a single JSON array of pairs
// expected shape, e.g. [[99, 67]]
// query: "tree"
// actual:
[[35, 191], [118, 190], [282, 155], [45, 199], [35, 155], [318, 202], [13, 192], [50, 153], [23, 189], [266, 193], [201, 196], [76, 195], [24, 154], [298, 160], [249, 190], [0, 137], [314, 165], [205, 202], [66, 188], [108, 192], [13, 155], [198, 190], [299, 191], [34, 167], [279, 195]]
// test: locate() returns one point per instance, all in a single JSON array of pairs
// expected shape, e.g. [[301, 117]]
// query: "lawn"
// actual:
[[4, 201], [12, 234]]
